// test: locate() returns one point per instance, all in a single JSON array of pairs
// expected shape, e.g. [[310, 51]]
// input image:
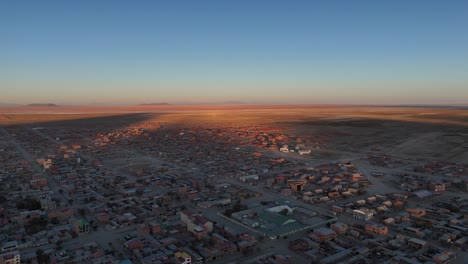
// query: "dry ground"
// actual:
[[427, 133]]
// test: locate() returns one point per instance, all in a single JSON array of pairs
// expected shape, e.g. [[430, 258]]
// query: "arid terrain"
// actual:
[[430, 133]]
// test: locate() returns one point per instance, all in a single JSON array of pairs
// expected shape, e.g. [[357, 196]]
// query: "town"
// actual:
[[151, 191]]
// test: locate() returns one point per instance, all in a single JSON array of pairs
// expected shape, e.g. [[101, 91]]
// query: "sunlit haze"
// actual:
[[230, 52]]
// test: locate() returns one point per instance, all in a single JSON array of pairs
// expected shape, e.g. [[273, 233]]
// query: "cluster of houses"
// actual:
[[74, 192], [320, 184], [152, 193]]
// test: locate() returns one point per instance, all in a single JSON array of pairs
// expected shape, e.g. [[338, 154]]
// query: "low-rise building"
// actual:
[[322, 234], [363, 214], [12, 257], [376, 228]]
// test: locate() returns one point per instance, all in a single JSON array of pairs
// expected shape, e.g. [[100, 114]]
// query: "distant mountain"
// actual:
[[41, 105], [233, 103], [8, 105], [154, 104]]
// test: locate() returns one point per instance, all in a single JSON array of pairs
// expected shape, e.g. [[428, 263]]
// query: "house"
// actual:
[[339, 227], [416, 213], [81, 226], [182, 258], [376, 228], [417, 243], [284, 148], [198, 225], [322, 234]]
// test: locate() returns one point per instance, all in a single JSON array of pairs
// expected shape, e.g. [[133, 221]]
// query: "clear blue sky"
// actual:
[[265, 51]]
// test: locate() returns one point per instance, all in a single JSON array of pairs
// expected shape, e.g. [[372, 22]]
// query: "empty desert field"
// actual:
[[266, 113]]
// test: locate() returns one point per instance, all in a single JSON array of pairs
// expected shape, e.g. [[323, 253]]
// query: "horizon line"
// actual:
[[169, 105]]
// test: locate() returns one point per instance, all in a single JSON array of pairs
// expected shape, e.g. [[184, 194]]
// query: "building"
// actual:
[[443, 257], [337, 257], [182, 258], [416, 212], [376, 228], [281, 209], [195, 257], [417, 243], [47, 204], [209, 204], [103, 217], [286, 191], [198, 225], [296, 185], [10, 258], [155, 227], [337, 209], [9, 246], [222, 245], [81, 226], [363, 214], [246, 178], [339, 227], [284, 148], [323, 234], [438, 187]]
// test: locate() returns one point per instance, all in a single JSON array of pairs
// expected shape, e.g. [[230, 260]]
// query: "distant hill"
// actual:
[[41, 105], [8, 105], [155, 104]]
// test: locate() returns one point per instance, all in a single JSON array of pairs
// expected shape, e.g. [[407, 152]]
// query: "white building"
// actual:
[[9, 246], [183, 258], [10, 258], [363, 214], [253, 177], [284, 148]]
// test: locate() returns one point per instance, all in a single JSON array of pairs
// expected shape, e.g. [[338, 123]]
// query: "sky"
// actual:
[[255, 51]]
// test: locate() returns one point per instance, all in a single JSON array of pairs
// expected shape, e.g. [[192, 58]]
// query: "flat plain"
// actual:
[[430, 133]]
